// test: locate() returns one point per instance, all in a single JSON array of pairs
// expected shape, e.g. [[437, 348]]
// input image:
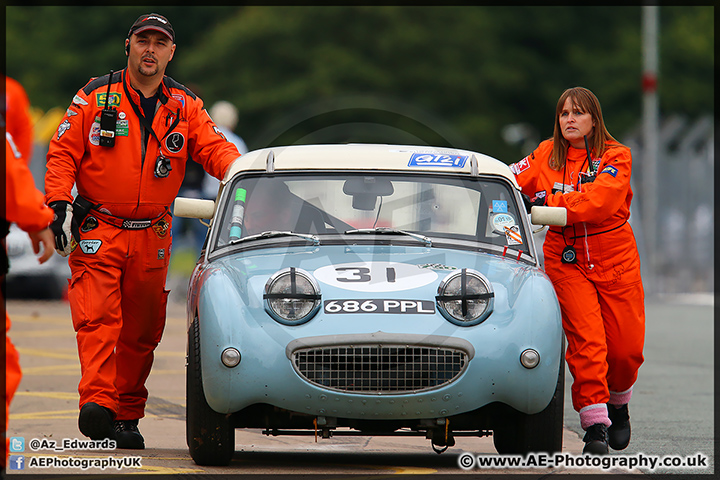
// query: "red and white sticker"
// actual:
[[512, 234]]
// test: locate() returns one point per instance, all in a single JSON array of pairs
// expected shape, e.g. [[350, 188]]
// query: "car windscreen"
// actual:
[[437, 206]]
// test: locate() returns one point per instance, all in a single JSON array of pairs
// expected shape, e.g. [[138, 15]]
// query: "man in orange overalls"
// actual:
[[125, 140], [25, 206], [593, 262]]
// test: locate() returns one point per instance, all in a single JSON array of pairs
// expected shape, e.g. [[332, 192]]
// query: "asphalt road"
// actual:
[[671, 411]]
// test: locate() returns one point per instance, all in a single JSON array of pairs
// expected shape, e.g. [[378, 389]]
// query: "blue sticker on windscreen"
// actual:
[[437, 160], [499, 206]]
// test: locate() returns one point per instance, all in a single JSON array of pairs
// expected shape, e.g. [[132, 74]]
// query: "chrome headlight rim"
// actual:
[[464, 297], [270, 295]]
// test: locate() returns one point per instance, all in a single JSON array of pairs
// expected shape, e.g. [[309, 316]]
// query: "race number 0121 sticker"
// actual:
[[380, 306]]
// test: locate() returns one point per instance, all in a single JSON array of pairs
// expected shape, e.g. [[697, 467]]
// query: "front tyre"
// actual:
[[210, 435], [541, 432]]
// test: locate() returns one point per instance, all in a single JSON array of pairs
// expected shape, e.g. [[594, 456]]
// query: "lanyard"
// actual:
[[145, 122]]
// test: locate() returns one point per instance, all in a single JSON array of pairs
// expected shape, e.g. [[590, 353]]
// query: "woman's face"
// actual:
[[574, 124]]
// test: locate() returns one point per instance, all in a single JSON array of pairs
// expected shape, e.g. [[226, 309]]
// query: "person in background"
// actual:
[[198, 184], [17, 117], [225, 116], [25, 206], [125, 140], [189, 232], [593, 262]]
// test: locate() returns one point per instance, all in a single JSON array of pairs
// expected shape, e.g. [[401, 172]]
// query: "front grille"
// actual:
[[379, 368]]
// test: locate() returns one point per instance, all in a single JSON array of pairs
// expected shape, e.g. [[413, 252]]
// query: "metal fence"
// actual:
[[684, 236]]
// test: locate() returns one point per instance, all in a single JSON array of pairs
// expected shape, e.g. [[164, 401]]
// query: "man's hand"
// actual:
[[47, 239], [64, 227]]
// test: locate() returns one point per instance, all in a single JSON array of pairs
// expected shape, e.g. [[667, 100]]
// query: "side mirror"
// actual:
[[193, 208], [556, 216]]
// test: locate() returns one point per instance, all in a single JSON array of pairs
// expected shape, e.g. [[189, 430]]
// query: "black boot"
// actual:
[[96, 421], [619, 431], [128, 435], [596, 439]]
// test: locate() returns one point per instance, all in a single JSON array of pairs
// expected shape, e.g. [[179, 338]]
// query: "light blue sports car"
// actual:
[[372, 290]]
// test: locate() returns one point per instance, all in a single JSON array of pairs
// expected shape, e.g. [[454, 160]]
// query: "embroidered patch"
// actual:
[[611, 170], [521, 166], [122, 128], [564, 188], [89, 224], [70, 113], [90, 247], [179, 98], [64, 127], [175, 142], [161, 253], [94, 136], [113, 101], [217, 130], [161, 228], [79, 101]]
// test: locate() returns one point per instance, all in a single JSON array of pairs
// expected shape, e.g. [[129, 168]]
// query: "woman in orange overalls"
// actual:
[[593, 262]]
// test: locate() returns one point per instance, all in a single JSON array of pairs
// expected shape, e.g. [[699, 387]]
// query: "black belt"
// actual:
[[589, 234], [129, 223], [82, 206]]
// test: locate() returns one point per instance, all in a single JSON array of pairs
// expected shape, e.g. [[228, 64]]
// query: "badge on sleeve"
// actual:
[[521, 166], [611, 170], [62, 128]]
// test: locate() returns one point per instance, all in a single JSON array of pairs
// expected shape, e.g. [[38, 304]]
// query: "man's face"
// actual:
[[150, 53]]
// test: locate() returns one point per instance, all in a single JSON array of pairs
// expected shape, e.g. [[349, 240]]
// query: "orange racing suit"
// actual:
[[24, 205], [117, 292], [601, 295], [17, 117]]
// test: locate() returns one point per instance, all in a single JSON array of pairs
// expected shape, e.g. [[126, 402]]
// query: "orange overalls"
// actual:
[[24, 206], [117, 292], [17, 117], [601, 295]]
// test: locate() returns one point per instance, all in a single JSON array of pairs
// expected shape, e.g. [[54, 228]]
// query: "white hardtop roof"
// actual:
[[410, 158]]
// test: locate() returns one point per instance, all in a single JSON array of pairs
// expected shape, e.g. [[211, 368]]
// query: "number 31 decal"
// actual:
[[375, 276]]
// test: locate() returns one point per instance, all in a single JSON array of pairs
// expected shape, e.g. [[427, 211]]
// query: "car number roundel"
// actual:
[[375, 276]]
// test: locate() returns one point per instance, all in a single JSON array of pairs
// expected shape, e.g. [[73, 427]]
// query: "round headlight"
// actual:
[[292, 296], [465, 297]]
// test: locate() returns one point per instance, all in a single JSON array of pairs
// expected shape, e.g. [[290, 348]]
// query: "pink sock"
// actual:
[[593, 414], [620, 398]]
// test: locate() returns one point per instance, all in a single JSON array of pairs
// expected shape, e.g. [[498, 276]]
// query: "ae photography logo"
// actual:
[[467, 461]]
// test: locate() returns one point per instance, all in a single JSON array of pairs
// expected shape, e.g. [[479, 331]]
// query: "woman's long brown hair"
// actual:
[[585, 101]]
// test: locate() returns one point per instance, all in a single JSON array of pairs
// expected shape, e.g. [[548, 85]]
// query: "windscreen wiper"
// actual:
[[426, 240], [277, 233]]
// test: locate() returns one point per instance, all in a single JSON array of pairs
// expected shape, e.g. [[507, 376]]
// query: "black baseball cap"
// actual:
[[153, 21]]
